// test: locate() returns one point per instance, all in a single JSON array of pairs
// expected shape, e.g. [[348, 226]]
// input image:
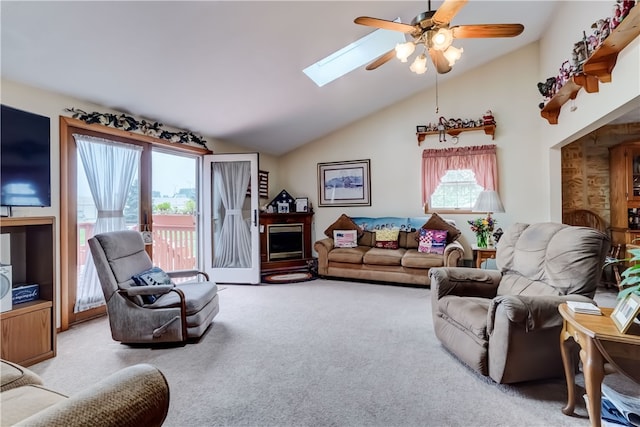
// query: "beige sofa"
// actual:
[[405, 265], [134, 396]]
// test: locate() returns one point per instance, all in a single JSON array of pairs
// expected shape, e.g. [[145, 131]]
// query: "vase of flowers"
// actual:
[[483, 227]]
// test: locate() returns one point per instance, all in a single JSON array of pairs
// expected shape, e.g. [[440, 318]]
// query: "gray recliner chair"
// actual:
[[505, 323], [180, 311]]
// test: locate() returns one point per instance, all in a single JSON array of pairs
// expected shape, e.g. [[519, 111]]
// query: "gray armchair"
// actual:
[[177, 313], [505, 323]]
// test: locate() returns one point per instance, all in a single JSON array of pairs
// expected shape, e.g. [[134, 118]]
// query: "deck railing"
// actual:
[[174, 242]]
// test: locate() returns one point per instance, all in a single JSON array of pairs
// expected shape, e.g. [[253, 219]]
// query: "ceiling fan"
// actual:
[[431, 29]]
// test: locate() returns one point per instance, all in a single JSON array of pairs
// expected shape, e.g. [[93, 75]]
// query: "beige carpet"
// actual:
[[320, 353]]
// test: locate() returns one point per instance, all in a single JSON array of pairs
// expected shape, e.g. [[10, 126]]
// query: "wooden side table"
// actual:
[[599, 341], [482, 254]]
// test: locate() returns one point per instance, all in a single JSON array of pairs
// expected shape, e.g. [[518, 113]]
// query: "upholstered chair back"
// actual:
[[118, 256], [550, 259]]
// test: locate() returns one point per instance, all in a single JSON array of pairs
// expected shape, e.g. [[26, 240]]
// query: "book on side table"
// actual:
[[583, 307]]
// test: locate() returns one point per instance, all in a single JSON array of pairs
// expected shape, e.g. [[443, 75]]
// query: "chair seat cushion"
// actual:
[[197, 295], [13, 376], [469, 313]]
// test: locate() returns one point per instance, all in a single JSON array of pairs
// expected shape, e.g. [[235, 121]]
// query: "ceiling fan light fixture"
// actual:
[[419, 65], [442, 39], [453, 54], [404, 50]]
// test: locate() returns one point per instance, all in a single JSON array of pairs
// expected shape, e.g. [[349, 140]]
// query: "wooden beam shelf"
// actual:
[[488, 129], [597, 67], [603, 59], [570, 90]]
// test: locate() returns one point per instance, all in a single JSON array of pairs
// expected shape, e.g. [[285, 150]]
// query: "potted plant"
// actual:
[[630, 282]]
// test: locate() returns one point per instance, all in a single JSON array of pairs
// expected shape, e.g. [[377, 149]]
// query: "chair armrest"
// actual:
[[147, 290], [461, 281], [187, 273], [453, 253], [136, 395], [532, 312]]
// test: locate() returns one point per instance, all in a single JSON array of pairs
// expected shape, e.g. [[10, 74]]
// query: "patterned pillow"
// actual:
[[436, 222], [387, 238], [152, 277], [342, 223], [432, 241], [345, 238]]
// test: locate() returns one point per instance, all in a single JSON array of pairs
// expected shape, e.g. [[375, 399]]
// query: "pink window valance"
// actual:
[[480, 159]]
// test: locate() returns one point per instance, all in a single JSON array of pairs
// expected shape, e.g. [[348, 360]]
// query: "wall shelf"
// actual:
[[488, 129], [603, 59], [570, 90], [597, 67]]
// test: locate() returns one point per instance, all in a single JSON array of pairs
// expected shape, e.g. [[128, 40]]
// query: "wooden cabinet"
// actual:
[[29, 329], [624, 170], [285, 240]]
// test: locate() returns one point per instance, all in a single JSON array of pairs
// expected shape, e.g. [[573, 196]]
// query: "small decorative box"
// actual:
[[25, 293]]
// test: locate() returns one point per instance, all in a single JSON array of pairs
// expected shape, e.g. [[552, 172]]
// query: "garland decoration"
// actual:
[[128, 123]]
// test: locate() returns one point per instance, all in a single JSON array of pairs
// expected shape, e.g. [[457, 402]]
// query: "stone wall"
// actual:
[[585, 168]]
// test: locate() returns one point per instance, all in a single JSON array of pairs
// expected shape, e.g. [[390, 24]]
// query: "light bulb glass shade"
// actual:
[[404, 50], [488, 201], [419, 65], [442, 39], [452, 54]]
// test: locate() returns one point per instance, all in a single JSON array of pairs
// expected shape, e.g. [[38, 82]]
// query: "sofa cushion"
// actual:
[[406, 240], [348, 255], [13, 375], [432, 241], [345, 238], [22, 402], [414, 259], [380, 256], [387, 238], [469, 313], [436, 222], [342, 223], [368, 238]]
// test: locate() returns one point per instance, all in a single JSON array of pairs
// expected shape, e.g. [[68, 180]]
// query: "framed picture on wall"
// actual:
[[345, 183]]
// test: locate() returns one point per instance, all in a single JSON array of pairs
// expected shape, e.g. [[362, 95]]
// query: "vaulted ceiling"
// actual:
[[232, 69]]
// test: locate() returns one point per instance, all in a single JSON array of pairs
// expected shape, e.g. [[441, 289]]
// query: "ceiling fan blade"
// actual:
[[486, 30], [381, 60], [384, 24], [439, 61], [447, 11]]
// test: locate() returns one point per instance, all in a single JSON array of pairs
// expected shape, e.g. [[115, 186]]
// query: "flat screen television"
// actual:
[[25, 165]]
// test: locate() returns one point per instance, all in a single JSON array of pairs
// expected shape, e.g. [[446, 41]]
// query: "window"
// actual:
[[452, 178], [458, 189]]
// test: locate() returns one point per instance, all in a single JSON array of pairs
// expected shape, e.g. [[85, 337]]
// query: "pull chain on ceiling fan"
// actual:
[[431, 30]]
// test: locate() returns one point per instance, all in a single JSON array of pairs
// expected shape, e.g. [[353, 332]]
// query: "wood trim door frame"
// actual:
[[68, 201]]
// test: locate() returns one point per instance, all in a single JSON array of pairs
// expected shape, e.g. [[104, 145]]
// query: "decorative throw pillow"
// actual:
[[432, 241], [387, 238], [342, 223], [152, 277], [436, 222], [345, 238]]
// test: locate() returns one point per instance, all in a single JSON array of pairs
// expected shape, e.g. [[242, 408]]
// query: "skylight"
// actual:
[[355, 55]]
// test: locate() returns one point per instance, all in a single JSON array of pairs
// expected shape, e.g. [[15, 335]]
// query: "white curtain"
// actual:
[[232, 244], [110, 167]]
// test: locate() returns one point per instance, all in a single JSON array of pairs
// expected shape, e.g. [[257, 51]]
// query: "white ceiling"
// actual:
[[231, 70]]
